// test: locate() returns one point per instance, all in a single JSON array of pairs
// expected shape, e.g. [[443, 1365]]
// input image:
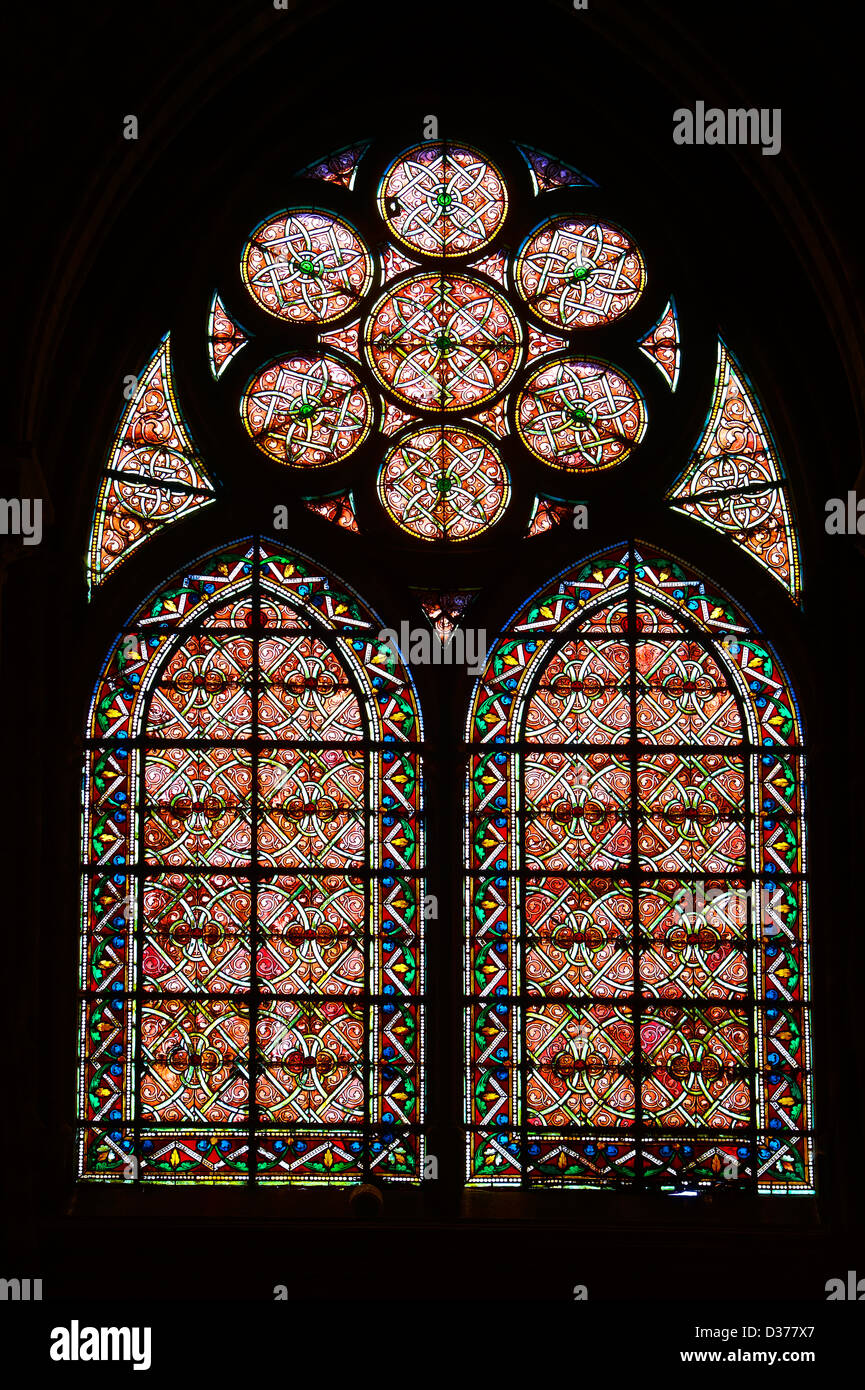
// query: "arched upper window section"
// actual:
[[253, 851], [636, 916]]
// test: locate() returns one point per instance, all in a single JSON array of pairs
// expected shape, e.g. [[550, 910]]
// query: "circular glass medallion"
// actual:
[[306, 411], [446, 200], [306, 266], [580, 415], [576, 273], [444, 484], [443, 342]]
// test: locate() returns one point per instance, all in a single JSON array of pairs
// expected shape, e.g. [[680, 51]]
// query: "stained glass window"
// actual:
[[580, 414], [443, 199], [548, 512], [251, 959], [340, 167], [548, 173], [735, 481], [455, 325], [577, 273], [661, 345], [445, 611], [335, 506], [306, 410], [636, 912], [225, 337], [443, 484], [306, 266], [153, 475], [636, 957], [445, 342]]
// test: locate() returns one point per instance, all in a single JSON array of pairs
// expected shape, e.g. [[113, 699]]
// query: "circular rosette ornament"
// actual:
[[444, 200], [580, 415], [443, 484], [306, 266], [443, 342], [306, 411], [576, 273]]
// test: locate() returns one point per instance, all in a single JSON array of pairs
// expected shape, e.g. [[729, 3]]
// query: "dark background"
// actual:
[[113, 242]]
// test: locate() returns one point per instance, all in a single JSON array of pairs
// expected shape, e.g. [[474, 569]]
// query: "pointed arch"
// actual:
[[253, 851], [636, 909]]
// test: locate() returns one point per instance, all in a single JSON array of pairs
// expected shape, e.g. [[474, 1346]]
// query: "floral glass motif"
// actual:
[[340, 167], [575, 273], [548, 512], [444, 611], [251, 1002], [225, 338], [580, 415], [636, 899], [443, 342], [306, 266], [548, 173], [153, 475], [662, 347], [735, 481], [443, 483], [442, 199], [337, 507], [307, 411]]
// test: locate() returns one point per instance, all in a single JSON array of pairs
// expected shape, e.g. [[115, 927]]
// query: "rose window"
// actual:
[[429, 333]]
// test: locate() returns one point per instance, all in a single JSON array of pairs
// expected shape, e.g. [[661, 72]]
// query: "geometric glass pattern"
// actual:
[[580, 415], [636, 970], [579, 274], [153, 475], [441, 483], [339, 167], [306, 411], [661, 345], [735, 481], [443, 342], [547, 173], [251, 970], [306, 266], [442, 200], [225, 338]]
